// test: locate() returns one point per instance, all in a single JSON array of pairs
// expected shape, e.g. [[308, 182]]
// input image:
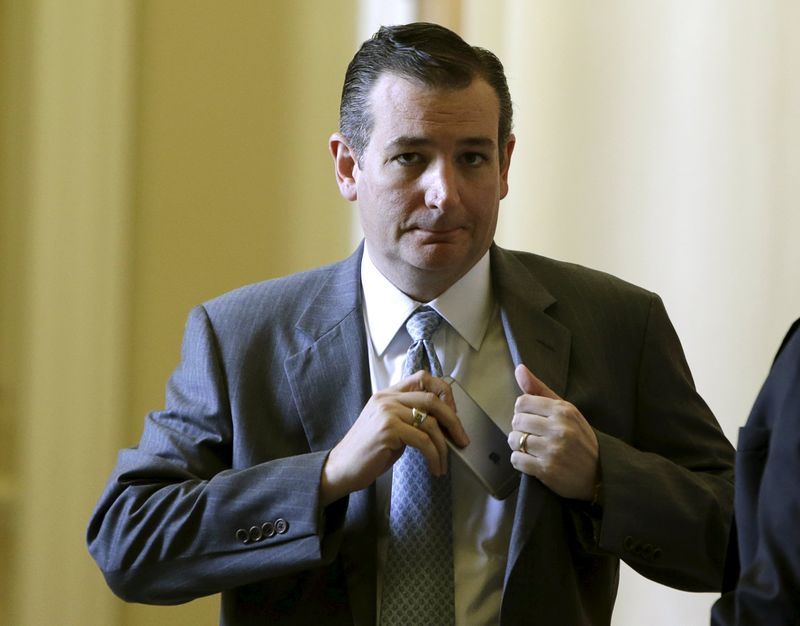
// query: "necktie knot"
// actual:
[[423, 323], [422, 354]]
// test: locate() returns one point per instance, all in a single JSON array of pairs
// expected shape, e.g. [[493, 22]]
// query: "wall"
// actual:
[[152, 155]]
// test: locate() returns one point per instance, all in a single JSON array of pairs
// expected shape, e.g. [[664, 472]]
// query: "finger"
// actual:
[[533, 424], [538, 405], [528, 464], [530, 384], [420, 439], [424, 381], [430, 426], [516, 438], [535, 446], [446, 417], [433, 427]]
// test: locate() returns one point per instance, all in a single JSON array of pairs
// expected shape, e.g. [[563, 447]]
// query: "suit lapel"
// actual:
[[541, 343], [330, 384], [330, 378], [534, 337]]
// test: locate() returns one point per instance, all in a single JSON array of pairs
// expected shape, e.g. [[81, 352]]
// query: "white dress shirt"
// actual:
[[472, 348]]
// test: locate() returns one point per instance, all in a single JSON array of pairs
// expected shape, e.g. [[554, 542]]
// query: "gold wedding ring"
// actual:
[[419, 417], [523, 442]]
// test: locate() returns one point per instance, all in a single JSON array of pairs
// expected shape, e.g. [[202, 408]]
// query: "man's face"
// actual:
[[430, 181]]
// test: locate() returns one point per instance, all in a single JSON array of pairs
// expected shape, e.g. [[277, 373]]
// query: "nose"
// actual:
[[441, 191]]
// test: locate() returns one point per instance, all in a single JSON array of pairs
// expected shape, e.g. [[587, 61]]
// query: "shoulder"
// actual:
[[598, 308], [791, 342], [784, 375], [274, 306], [566, 280], [285, 291]]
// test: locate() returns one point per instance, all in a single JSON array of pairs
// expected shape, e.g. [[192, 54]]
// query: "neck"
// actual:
[[422, 286]]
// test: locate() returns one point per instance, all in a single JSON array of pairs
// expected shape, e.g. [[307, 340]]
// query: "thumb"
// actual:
[[532, 385]]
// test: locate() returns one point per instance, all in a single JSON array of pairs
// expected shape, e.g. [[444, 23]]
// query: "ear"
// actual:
[[345, 166], [508, 150]]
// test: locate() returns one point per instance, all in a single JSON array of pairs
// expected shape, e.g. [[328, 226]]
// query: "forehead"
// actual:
[[409, 108]]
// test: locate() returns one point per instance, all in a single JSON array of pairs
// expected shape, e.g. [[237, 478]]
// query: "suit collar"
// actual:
[[467, 305]]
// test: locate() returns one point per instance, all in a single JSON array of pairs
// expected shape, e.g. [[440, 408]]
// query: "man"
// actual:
[[267, 475], [765, 561]]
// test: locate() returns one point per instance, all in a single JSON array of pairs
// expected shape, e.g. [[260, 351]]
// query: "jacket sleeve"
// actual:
[[667, 494], [176, 522]]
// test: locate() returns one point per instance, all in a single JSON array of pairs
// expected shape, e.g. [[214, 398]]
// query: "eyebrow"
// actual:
[[408, 141]]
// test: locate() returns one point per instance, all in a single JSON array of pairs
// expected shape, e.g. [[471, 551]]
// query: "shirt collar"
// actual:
[[467, 305]]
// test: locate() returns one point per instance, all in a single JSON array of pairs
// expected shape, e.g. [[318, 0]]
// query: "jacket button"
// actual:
[[268, 529], [242, 535], [656, 553], [255, 533], [281, 526], [629, 543]]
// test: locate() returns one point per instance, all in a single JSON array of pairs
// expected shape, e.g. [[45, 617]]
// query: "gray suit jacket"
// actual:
[[222, 492]]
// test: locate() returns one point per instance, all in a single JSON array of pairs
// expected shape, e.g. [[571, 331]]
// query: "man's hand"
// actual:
[[384, 429], [562, 449]]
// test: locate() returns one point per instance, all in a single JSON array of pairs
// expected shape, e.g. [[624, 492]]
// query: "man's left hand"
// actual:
[[562, 449]]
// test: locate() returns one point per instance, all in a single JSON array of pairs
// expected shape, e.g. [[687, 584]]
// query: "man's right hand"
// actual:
[[384, 429]]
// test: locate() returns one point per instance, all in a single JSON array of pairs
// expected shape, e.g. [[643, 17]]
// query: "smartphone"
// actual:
[[487, 456]]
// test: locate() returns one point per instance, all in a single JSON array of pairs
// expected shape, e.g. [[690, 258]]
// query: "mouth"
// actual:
[[436, 234], [437, 231]]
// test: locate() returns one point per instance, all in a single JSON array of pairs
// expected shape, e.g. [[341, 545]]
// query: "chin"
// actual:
[[443, 260]]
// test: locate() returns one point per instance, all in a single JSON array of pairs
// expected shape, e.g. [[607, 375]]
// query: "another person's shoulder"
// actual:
[[791, 342]]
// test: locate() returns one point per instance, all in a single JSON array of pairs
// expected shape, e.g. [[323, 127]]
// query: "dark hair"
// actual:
[[429, 53]]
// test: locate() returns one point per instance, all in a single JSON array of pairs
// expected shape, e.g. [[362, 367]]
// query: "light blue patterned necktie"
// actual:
[[418, 582]]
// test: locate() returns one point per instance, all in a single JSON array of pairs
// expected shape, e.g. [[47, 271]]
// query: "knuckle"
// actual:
[[545, 467], [557, 451], [559, 441], [564, 408], [430, 398], [380, 397], [387, 406]]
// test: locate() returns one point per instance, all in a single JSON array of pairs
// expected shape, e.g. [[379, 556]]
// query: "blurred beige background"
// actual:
[[154, 154]]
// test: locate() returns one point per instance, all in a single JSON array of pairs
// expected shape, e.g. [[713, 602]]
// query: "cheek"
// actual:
[[482, 203], [378, 218], [394, 205], [385, 208], [371, 222]]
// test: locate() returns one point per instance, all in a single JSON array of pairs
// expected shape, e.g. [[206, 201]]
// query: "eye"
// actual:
[[408, 158], [474, 159]]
